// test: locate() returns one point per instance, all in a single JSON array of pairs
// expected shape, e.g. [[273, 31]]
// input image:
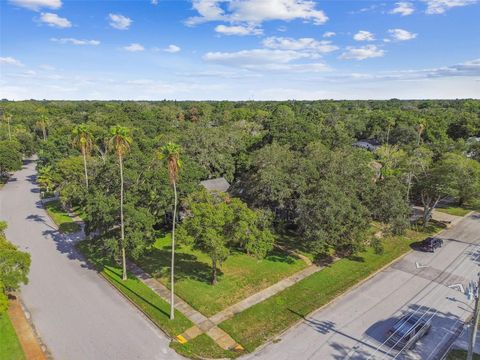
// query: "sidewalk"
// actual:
[[25, 333], [202, 323]]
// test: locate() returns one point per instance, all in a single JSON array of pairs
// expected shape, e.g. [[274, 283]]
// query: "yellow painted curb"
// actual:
[[238, 348], [181, 339]]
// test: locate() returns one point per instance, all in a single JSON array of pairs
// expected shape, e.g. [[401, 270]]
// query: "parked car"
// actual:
[[431, 244], [407, 331]]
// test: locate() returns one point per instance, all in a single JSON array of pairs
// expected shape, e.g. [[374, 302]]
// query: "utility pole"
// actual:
[[476, 315]]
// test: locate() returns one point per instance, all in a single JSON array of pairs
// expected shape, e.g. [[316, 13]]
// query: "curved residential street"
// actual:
[[77, 314]]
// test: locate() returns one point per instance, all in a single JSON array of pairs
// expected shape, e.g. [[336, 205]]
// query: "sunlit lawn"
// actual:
[[10, 348], [457, 210], [60, 217], [240, 276]]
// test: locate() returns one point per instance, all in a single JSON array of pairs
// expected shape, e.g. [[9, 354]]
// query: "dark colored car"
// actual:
[[431, 244], [407, 331]]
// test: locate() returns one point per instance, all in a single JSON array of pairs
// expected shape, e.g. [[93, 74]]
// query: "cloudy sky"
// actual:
[[239, 49]]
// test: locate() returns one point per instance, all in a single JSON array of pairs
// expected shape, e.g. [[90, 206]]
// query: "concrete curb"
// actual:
[[30, 342]]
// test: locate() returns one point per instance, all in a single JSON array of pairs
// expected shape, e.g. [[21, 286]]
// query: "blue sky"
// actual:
[[239, 49]]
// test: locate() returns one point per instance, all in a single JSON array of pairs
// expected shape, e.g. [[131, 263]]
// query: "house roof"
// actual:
[[218, 184]]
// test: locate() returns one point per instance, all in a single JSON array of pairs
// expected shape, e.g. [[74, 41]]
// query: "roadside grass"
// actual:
[[456, 354], [80, 212], [60, 217], [203, 347], [10, 348], [240, 275], [458, 210], [140, 294], [264, 321]]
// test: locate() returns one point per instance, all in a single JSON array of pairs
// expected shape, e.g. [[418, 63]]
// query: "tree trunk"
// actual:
[[85, 166], [9, 131], [122, 226], [44, 131], [409, 185], [214, 271], [172, 267]]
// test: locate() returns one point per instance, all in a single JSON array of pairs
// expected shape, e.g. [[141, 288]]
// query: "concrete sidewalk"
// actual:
[[202, 323]]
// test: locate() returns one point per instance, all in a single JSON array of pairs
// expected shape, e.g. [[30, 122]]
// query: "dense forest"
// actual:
[[294, 167]]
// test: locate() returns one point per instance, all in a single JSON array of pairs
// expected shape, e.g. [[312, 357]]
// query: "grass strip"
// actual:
[[10, 348], [203, 347], [63, 220], [263, 321]]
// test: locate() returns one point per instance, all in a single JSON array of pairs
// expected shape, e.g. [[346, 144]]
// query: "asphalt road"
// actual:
[[77, 314], [355, 325]]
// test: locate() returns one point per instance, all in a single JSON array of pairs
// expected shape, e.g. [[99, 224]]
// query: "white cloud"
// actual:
[[54, 20], [36, 5], [10, 61], [329, 34], [362, 53], [154, 2], [440, 6], [119, 22], [403, 8], [75, 41], [255, 57], [134, 47], [283, 43], [239, 30], [172, 49], [256, 11], [363, 35], [401, 35]]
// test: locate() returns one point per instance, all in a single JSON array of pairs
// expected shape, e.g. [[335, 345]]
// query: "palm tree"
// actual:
[[42, 124], [82, 137], [120, 142], [171, 154], [7, 118]]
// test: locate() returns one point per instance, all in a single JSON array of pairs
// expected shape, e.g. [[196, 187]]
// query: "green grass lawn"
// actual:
[[10, 348], [267, 319], [203, 347], [61, 217], [78, 210], [457, 210], [241, 275]]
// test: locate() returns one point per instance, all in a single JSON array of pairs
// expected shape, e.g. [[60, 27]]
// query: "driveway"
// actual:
[[355, 325], [77, 314]]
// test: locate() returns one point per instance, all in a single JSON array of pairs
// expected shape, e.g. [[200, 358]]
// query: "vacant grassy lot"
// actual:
[[265, 320], [241, 275], [10, 348], [61, 217]]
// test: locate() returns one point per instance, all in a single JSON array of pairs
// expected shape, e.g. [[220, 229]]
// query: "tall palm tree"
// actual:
[[42, 124], [120, 141], [83, 138], [171, 154], [7, 118]]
